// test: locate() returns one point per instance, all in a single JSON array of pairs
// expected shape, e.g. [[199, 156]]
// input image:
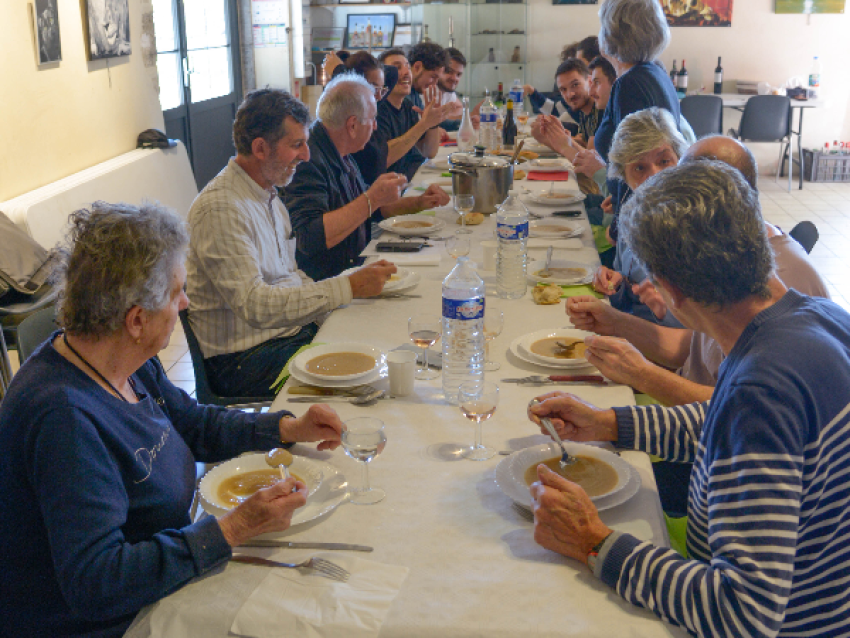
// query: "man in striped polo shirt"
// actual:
[[768, 516]]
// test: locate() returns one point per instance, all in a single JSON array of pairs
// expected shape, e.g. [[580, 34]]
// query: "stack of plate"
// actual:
[[583, 272], [554, 228], [555, 197], [549, 165], [412, 225], [403, 280], [521, 348], [298, 367]]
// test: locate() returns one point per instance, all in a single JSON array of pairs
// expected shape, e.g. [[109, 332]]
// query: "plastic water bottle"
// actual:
[[815, 79], [512, 235], [463, 328], [516, 94], [487, 132]]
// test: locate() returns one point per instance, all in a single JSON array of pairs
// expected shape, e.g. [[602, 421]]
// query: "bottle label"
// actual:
[[508, 231], [683, 81], [463, 309], [718, 77], [814, 80], [488, 117], [516, 96]]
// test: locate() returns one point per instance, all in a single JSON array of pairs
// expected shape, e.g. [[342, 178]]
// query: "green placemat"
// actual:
[[430, 213], [677, 529], [599, 238], [284, 374], [576, 290]]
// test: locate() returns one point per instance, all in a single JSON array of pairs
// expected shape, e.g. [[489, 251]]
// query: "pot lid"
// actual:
[[479, 161]]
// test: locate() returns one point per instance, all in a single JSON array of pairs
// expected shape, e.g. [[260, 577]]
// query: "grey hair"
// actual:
[[640, 133], [633, 31], [728, 150], [117, 256], [699, 227], [346, 95]]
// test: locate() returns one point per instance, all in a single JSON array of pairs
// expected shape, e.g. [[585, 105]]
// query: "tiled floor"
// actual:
[[826, 205]]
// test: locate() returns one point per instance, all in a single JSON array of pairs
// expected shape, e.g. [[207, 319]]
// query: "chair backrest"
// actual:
[[766, 118], [806, 234], [704, 113], [35, 330], [203, 392]]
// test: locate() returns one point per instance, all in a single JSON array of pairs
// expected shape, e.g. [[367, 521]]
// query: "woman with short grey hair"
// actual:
[[632, 31], [100, 447]]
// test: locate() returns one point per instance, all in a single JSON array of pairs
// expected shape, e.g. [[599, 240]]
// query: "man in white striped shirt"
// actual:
[[250, 306], [768, 504]]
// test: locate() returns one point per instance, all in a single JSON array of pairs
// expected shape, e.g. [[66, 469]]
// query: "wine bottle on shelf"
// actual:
[[674, 72], [718, 78], [491, 56], [682, 79], [500, 96], [509, 127]]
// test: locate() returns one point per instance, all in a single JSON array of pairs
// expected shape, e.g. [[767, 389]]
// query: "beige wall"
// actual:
[[67, 116], [759, 45]]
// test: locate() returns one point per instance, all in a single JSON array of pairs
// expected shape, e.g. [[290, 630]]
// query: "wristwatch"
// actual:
[[593, 554]]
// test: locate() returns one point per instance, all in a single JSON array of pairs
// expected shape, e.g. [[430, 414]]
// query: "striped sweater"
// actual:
[[768, 515]]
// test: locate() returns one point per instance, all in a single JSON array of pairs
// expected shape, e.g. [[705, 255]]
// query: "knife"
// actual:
[[555, 378], [292, 545]]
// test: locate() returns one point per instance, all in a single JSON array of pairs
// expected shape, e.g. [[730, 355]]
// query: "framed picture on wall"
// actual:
[[575, 1], [108, 28], [719, 14], [403, 35], [48, 44], [325, 38], [379, 27], [809, 6]]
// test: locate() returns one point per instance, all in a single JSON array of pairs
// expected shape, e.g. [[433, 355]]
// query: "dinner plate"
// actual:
[[442, 182], [520, 351], [552, 227], [569, 198], [307, 469], [537, 266], [435, 224], [510, 473], [321, 382], [549, 165], [403, 279], [437, 165], [300, 362]]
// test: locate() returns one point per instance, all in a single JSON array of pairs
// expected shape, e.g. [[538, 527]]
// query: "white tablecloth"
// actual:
[[475, 569]]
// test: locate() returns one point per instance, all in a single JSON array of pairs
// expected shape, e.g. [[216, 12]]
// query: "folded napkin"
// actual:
[[567, 244], [284, 374], [548, 176], [291, 603]]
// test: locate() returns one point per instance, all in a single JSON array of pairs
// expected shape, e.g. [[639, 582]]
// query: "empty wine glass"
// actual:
[[425, 331], [494, 320], [363, 439], [478, 401], [463, 205], [457, 246]]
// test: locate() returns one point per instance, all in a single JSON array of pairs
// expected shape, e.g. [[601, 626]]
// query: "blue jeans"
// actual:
[[250, 373]]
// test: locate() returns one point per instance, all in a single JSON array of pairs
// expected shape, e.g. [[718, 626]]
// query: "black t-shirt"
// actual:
[[394, 122]]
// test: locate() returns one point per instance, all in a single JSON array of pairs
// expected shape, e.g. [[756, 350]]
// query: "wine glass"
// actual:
[[457, 246], [494, 320], [463, 205], [478, 401], [522, 120], [425, 331], [363, 439]]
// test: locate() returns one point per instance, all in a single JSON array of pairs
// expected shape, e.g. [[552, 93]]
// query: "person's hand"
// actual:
[[553, 134], [330, 62], [444, 136], [527, 89], [574, 419], [370, 280], [319, 423], [565, 519], [617, 359], [433, 114], [454, 110], [268, 510], [476, 121], [476, 110], [433, 197], [606, 281], [607, 207], [432, 94], [386, 189], [590, 314], [650, 296], [588, 162]]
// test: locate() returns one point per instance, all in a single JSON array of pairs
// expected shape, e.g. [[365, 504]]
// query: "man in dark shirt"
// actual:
[[327, 200], [427, 61]]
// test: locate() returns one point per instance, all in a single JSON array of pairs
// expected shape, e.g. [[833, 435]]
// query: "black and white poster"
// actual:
[[47, 41], [109, 28]]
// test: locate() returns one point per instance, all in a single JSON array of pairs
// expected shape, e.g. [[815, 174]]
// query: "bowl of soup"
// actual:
[[603, 475], [234, 481], [561, 347], [339, 361]]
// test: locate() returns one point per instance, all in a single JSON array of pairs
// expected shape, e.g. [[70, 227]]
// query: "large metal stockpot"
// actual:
[[488, 178]]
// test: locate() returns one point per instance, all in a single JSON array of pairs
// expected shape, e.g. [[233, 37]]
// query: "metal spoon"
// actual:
[[567, 347], [281, 459], [544, 272], [566, 459]]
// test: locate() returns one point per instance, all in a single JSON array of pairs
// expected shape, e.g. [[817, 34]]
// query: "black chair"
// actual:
[[704, 113], [17, 307], [35, 330], [806, 234], [203, 391], [767, 118]]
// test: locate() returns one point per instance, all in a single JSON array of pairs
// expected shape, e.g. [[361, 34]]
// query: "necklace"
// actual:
[[100, 376]]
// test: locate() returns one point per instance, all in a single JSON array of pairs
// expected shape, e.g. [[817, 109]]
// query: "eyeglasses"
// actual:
[[380, 91]]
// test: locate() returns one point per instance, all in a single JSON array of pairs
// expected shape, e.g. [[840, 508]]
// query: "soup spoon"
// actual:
[[566, 459], [281, 459]]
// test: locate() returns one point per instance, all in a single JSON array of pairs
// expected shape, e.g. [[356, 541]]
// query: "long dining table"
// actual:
[[474, 568]]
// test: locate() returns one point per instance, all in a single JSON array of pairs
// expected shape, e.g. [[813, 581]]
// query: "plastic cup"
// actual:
[[402, 367]]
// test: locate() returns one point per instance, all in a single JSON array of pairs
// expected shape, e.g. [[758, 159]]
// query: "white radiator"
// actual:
[[162, 175]]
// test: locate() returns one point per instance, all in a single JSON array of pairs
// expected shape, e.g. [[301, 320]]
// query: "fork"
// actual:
[[319, 565]]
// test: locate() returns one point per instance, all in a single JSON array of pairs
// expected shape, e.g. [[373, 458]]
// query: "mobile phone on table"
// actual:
[[567, 213], [399, 246]]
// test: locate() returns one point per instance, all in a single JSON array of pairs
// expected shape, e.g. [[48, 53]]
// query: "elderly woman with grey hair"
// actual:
[[768, 529], [632, 34], [100, 448], [646, 142]]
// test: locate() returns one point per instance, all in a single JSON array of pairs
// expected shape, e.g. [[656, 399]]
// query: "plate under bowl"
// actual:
[[300, 362], [536, 266], [434, 225], [527, 340]]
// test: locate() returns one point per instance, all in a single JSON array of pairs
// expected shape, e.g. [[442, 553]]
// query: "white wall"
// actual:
[[62, 118], [760, 45]]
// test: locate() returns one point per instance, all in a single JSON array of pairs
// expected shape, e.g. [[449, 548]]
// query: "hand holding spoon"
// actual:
[[281, 459]]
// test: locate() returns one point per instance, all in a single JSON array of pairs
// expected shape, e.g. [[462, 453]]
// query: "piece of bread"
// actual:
[[546, 294], [472, 219], [519, 174]]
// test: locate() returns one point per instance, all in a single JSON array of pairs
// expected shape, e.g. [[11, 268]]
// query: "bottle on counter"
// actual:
[[682, 80], [463, 328], [674, 75], [509, 129], [815, 79], [718, 78], [512, 252], [466, 132]]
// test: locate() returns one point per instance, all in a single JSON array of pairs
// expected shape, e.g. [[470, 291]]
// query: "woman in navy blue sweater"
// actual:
[[99, 447]]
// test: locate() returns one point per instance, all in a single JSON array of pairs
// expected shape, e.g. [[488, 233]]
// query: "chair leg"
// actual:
[[790, 163]]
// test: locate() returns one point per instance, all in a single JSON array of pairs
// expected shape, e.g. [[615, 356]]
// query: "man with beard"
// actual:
[[427, 61], [250, 307], [444, 91]]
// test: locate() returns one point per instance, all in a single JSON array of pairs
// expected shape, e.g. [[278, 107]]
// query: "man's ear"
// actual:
[[260, 148], [677, 298], [351, 126]]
